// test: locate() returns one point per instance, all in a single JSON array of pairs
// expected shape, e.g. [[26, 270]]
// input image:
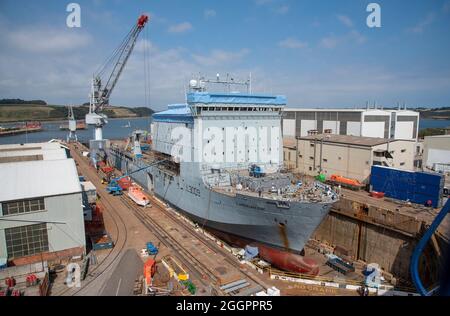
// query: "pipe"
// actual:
[[414, 267]]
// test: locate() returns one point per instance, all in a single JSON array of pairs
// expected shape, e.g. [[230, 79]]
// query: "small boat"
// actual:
[[137, 195], [127, 125], [80, 126]]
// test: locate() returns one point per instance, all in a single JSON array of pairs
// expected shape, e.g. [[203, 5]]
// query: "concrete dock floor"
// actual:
[[209, 266]]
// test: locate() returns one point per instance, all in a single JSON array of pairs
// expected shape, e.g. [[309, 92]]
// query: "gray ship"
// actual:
[[218, 159]]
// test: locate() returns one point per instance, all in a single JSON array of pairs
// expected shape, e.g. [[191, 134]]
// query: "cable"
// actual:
[[101, 69], [414, 265]]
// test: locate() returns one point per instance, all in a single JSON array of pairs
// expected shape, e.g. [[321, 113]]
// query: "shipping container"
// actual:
[[416, 187]]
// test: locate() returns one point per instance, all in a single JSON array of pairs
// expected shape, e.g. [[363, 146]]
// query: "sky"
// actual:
[[316, 53]]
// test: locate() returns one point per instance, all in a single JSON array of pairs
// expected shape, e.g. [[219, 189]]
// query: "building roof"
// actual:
[[87, 186], [235, 98], [50, 154], [176, 113], [361, 110], [349, 139], [289, 142], [437, 136], [30, 146], [32, 179]]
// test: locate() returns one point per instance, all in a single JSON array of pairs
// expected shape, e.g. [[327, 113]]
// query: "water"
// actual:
[[113, 130], [430, 123]]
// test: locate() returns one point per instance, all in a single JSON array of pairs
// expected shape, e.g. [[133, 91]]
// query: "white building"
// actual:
[[41, 212], [394, 124], [436, 153]]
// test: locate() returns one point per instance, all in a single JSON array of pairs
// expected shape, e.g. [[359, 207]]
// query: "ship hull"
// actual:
[[251, 218]]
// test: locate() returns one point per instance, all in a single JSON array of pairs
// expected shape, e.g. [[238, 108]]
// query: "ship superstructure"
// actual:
[[224, 170]]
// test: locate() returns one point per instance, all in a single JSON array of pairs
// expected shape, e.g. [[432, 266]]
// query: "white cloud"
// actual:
[[282, 9], [333, 41], [144, 45], [423, 24], [345, 20], [180, 28], [220, 57], [356, 36], [292, 43], [48, 40], [329, 42], [209, 13]]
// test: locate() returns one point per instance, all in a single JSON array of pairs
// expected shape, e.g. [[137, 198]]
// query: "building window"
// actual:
[[402, 164], [403, 150], [325, 160], [26, 240], [311, 158], [24, 206]]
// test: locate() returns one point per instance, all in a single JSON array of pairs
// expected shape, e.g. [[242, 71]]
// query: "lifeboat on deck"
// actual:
[[137, 195]]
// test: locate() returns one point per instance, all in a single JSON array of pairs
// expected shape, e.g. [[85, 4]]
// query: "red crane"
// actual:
[[100, 93]]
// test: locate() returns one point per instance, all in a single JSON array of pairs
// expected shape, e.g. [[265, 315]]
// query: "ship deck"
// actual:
[[297, 196]]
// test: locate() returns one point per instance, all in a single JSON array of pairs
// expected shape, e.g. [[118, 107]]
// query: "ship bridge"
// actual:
[[222, 130], [202, 103]]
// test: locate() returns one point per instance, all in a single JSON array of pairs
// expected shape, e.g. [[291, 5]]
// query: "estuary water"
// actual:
[[115, 129], [118, 129]]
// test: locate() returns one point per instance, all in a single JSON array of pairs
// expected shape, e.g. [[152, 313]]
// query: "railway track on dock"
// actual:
[[193, 264], [121, 235], [210, 244]]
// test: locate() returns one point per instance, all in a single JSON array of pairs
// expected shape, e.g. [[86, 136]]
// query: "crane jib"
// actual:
[[103, 93]]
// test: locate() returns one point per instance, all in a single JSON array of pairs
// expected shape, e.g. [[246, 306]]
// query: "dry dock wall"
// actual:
[[376, 235]]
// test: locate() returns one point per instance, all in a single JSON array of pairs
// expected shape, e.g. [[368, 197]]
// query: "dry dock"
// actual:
[[208, 261], [359, 228], [369, 230], [209, 265]]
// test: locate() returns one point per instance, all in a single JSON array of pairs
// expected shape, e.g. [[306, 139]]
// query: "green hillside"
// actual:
[[13, 110]]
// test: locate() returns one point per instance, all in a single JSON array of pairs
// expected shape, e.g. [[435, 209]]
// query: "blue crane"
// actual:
[[414, 266], [114, 187]]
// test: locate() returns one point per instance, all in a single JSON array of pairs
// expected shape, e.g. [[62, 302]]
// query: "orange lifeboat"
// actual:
[[137, 195]]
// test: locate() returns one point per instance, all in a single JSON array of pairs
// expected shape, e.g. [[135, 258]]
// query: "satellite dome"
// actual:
[[193, 83]]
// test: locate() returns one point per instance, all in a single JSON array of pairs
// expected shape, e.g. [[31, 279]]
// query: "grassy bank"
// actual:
[[39, 112]]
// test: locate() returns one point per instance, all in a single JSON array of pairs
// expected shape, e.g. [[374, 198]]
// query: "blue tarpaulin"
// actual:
[[235, 98], [177, 113], [250, 252]]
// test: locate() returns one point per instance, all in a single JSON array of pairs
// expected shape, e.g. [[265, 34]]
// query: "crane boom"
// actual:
[[100, 94]]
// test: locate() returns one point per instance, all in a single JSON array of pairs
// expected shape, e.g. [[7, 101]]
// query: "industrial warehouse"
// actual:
[[348, 156], [230, 191], [370, 122], [41, 219]]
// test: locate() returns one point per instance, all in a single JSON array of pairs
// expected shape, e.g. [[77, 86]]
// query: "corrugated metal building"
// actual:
[[41, 212], [395, 124]]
